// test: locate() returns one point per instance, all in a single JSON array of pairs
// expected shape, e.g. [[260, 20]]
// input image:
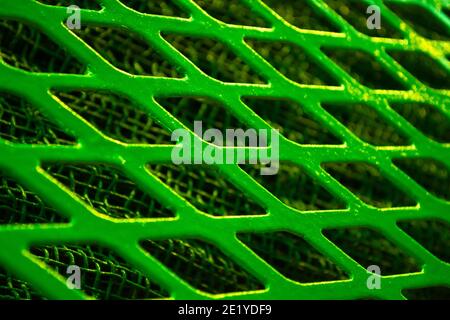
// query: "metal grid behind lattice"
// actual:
[[22, 161]]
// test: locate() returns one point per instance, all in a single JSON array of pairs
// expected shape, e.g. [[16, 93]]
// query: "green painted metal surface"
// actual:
[[23, 162]]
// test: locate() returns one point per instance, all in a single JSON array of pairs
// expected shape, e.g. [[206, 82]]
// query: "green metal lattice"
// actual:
[[129, 232]]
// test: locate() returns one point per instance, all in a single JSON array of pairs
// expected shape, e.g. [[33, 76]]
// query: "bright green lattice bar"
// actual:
[[86, 176]]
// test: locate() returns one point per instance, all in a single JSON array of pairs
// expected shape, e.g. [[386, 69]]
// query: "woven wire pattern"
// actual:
[[255, 76]]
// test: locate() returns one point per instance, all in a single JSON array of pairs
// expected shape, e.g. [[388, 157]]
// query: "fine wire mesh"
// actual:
[[22, 123], [118, 186], [105, 275], [108, 191]]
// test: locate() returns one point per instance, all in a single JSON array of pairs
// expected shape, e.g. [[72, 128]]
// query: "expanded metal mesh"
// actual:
[[86, 176]]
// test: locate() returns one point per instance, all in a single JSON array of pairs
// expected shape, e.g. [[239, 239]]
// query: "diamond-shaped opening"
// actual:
[[211, 113], [427, 293], [293, 257], [431, 174], [355, 12], [139, 58], [293, 62], [232, 12], [291, 120], [19, 205], [26, 48], [164, 8], [206, 189], [427, 118], [115, 116], [12, 288], [108, 191], [434, 235], [364, 68], [83, 4], [215, 59], [369, 247], [202, 265], [367, 124], [20, 122], [421, 19], [368, 184], [295, 188], [423, 67], [302, 15], [104, 275]]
